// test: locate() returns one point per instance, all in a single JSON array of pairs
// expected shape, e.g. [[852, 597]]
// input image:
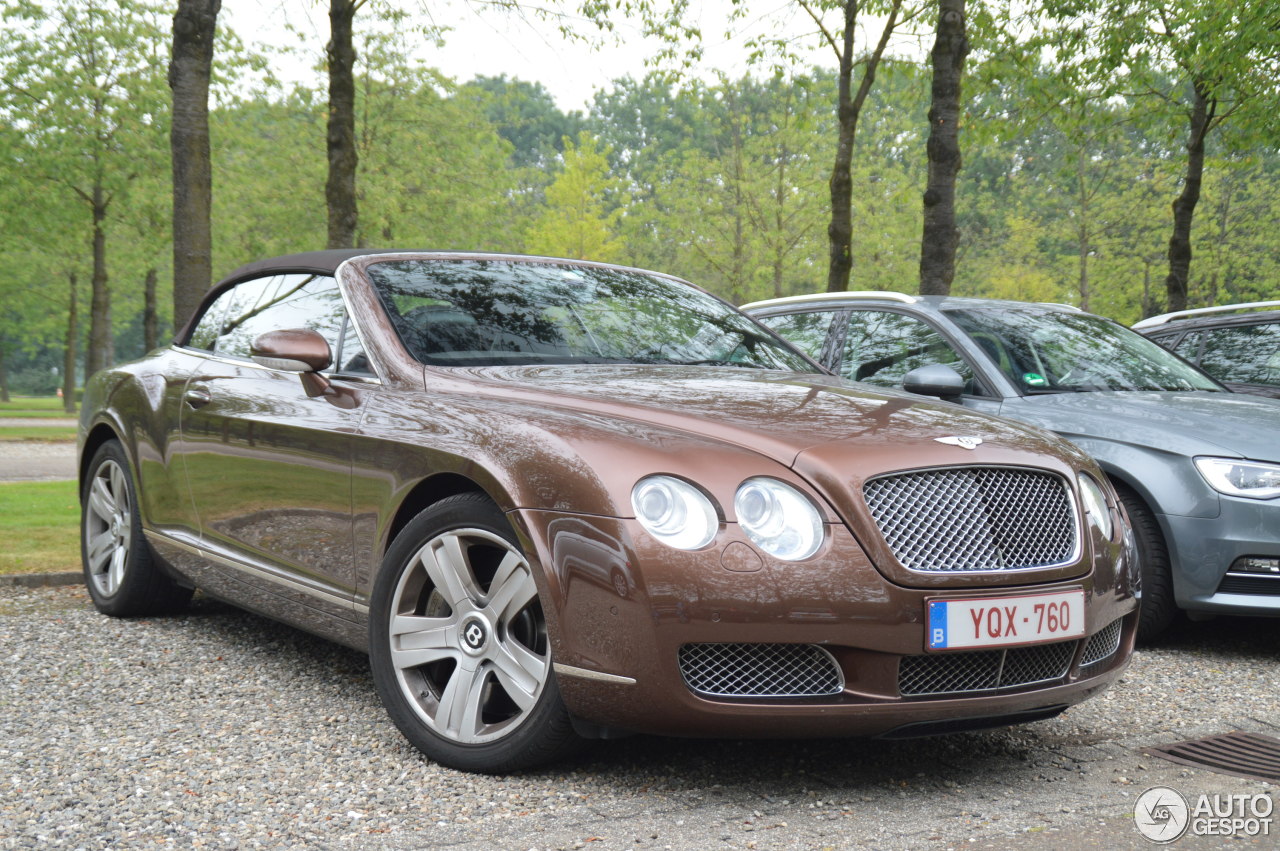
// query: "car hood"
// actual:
[[777, 414], [1185, 422]]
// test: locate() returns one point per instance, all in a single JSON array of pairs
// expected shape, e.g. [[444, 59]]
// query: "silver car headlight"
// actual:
[[1251, 479], [674, 512], [778, 518], [1095, 503]]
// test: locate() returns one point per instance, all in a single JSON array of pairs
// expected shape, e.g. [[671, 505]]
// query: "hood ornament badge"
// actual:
[[962, 442]]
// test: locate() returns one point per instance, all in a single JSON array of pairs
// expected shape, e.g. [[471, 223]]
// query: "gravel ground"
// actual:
[[219, 729]]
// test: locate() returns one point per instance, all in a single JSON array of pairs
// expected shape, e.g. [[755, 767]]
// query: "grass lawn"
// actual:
[[39, 527], [33, 406], [43, 433]]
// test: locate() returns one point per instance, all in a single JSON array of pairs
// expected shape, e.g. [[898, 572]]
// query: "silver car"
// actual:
[[1197, 466]]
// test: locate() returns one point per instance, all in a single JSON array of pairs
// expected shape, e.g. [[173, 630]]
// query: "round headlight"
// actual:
[[1095, 504], [674, 512], [778, 518]]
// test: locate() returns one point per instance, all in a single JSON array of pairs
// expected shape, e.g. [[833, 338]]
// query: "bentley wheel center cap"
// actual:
[[475, 635]]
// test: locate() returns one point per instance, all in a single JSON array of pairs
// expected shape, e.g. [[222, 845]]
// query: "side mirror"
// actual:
[[298, 350], [936, 379]]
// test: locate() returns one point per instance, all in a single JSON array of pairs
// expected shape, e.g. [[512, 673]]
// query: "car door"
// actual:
[[269, 467]]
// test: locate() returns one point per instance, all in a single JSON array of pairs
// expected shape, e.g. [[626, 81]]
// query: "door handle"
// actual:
[[197, 397]]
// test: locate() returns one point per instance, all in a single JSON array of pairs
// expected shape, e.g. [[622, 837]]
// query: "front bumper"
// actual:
[[621, 608], [1202, 551]]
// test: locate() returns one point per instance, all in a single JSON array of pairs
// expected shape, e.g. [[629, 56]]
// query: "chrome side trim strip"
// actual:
[[271, 576], [587, 674]]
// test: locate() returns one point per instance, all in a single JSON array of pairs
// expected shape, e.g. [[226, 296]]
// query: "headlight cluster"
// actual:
[[1251, 479], [1095, 504], [781, 520]]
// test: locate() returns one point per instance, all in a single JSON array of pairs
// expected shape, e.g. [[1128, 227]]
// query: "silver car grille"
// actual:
[[984, 670], [760, 670], [975, 518], [1102, 645]]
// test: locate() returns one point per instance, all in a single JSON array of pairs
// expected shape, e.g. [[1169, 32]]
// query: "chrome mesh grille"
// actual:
[[984, 670], [974, 518], [760, 670], [1102, 645]]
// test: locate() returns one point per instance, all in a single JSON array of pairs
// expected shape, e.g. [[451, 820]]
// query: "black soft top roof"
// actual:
[[319, 262]]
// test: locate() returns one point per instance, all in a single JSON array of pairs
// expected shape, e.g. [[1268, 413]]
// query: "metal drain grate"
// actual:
[[1239, 754]]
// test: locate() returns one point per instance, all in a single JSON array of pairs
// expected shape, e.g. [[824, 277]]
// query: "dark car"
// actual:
[[1197, 467], [1238, 344], [557, 500]]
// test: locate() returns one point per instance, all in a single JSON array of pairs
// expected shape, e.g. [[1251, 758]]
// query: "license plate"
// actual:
[[1005, 621]]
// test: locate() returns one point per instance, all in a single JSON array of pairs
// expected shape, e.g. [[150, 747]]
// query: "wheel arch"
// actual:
[[426, 493], [100, 434]]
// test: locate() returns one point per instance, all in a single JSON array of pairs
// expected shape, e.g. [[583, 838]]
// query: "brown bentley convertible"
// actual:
[[559, 500]]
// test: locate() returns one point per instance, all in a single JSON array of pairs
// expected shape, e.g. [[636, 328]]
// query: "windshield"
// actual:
[[489, 312], [1051, 351]]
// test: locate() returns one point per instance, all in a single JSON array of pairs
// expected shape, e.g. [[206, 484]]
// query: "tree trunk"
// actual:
[[938, 245], [1184, 208], [69, 353], [150, 319], [840, 231], [189, 71], [848, 108], [1083, 245], [340, 188], [100, 352], [4, 378]]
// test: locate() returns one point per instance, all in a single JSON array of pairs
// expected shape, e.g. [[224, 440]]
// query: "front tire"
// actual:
[[1158, 605], [120, 571], [458, 643]]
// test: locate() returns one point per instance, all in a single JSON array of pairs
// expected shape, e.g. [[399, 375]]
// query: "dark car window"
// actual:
[[254, 307], [881, 347], [1246, 354], [806, 331], [205, 334], [350, 355], [1188, 346], [487, 312], [1054, 351]]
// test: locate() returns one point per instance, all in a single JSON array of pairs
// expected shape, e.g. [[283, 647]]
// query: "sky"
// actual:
[[494, 43]]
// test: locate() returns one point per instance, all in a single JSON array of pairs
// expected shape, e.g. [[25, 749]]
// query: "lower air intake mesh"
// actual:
[[760, 670]]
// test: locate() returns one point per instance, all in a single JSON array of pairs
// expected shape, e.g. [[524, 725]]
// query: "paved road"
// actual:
[[27, 461], [223, 730]]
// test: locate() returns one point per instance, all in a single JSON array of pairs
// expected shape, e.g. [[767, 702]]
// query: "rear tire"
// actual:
[[1158, 605], [122, 575], [458, 643]]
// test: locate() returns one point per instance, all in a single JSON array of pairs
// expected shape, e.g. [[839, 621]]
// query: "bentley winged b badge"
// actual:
[[962, 442]]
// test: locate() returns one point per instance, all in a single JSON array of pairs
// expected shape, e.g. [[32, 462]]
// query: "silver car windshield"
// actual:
[[491, 312], [1052, 351]]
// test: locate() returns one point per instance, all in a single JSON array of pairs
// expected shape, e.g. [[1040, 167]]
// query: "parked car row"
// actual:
[[562, 500], [1238, 344], [1196, 467]]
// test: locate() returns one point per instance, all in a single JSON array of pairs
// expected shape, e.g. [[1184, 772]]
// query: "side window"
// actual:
[[205, 334], [882, 347], [1248, 354], [280, 302], [806, 331], [350, 354], [1188, 346]]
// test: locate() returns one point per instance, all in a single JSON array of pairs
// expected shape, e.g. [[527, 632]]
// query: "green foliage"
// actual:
[[577, 221]]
